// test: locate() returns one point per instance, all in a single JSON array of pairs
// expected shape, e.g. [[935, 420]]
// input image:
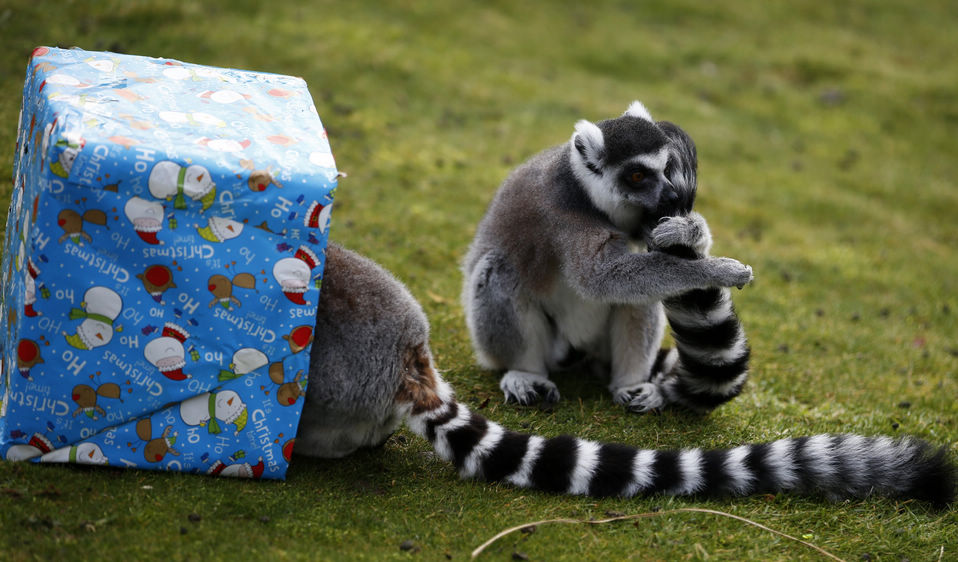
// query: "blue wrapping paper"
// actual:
[[162, 264]]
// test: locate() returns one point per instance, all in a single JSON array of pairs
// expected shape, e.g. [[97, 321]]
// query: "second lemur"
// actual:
[[584, 250]]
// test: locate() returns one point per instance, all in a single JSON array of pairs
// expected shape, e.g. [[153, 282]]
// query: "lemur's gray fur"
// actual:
[[562, 261], [371, 368]]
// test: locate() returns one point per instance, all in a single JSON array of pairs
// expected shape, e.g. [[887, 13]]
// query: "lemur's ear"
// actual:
[[636, 109], [590, 145]]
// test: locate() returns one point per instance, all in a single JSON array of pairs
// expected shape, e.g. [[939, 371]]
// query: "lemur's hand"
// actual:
[[728, 272], [690, 231]]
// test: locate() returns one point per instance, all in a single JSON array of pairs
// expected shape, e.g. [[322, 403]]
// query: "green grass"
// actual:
[[826, 138]]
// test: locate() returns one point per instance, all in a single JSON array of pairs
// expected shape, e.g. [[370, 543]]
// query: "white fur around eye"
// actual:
[[654, 160]]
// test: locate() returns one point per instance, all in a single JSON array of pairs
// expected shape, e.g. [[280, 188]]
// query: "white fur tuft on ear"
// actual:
[[636, 109], [588, 142]]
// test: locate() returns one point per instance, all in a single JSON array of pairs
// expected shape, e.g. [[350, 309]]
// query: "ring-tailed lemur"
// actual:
[[577, 253], [371, 368]]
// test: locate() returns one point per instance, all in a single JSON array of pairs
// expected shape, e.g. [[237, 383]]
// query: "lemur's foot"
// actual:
[[528, 388], [641, 398]]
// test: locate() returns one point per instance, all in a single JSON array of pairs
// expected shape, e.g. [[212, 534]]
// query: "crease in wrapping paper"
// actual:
[[162, 264]]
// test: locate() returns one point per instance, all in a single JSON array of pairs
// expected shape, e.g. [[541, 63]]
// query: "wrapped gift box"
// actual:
[[162, 264]]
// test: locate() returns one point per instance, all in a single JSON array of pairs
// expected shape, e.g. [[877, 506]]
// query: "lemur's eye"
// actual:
[[637, 177]]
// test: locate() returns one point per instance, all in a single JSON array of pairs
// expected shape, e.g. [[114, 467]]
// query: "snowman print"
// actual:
[[82, 453], [219, 229], [167, 353], [237, 468], [293, 274], [99, 309], [147, 218], [170, 181], [211, 409]]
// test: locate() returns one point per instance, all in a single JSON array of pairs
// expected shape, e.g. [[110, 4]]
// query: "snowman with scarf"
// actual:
[[211, 409], [170, 181], [245, 361], [64, 163], [220, 229], [82, 453], [99, 309]]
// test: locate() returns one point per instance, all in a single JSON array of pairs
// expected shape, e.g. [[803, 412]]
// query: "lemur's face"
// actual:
[[635, 169], [635, 154], [641, 181]]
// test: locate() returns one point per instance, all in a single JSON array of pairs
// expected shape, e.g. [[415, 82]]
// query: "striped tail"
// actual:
[[710, 364], [836, 466]]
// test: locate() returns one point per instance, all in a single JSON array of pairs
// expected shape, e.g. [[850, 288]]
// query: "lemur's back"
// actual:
[[367, 325]]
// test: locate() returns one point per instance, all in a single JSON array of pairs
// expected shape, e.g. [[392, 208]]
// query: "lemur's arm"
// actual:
[[601, 266]]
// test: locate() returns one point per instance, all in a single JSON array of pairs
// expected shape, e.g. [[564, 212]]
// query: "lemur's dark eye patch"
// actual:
[[635, 175]]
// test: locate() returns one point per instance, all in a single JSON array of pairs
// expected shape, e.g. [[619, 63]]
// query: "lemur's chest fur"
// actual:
[[581, 322]]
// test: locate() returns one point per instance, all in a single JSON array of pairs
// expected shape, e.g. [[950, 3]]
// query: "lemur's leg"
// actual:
[[509, 331], [635, 335]]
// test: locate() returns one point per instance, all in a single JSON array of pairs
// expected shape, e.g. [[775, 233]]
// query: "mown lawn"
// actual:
[[827, 146]]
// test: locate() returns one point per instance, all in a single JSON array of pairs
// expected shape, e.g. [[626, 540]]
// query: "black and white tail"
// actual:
[[709, 365], [836, 466]]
